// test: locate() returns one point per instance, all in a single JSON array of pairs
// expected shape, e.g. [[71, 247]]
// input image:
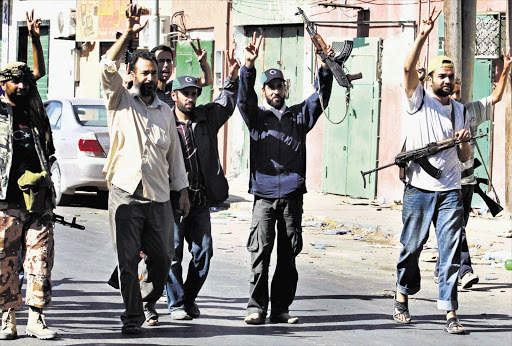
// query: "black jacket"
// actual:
[[206, 122], [278, 147]]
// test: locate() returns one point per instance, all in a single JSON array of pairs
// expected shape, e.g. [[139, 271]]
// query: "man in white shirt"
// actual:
[[144, 163], [477, 112], [431, 117]]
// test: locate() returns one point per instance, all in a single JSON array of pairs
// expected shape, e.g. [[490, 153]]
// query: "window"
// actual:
[[54, 112], [91, 115]]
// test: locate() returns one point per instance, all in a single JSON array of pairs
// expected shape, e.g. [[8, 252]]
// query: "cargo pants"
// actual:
[[16, 225], [287, 213]]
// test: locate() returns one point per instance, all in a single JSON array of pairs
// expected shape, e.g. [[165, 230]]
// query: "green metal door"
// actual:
[[482, 87], [187, 65], [281, 48], [42, 83], [351, 136]]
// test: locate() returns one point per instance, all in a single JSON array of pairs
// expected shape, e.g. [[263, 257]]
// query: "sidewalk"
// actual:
[[369, 215]]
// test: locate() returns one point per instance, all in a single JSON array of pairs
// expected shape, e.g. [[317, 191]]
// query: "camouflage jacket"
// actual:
[[6, 147]]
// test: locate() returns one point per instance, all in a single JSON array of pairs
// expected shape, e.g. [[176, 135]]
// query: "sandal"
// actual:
[[453, 326], [400, 308], [151, 317]]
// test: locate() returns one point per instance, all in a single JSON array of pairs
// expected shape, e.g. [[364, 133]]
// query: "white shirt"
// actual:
[[477, 112], [433, 123]]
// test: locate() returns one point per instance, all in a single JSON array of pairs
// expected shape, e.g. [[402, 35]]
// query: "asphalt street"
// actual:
[[340, 300]]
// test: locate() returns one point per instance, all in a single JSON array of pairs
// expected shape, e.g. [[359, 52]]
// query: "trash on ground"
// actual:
[[385, 246], [313, 224], [498, 255], [218, 222], [506, 234], [337, 231], [489, 278]]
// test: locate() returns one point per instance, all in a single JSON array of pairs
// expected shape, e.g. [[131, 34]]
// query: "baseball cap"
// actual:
[[185, 82], [271, 74], [438, 62], [13, 70]]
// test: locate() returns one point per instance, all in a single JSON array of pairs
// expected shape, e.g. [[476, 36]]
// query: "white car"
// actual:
[[80, 136]]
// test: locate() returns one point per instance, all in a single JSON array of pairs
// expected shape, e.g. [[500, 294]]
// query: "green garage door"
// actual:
[[351, 136], [187, 65]]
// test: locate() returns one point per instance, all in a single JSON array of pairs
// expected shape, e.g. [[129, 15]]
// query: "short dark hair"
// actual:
[[164, 48], [142, 55]]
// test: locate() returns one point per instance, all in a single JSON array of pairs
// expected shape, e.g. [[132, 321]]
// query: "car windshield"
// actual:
[[91, 115]]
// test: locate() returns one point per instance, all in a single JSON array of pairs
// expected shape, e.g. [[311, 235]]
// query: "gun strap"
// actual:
[[427, 167]]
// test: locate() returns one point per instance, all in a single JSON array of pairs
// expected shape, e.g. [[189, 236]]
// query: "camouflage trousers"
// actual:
[[37, 233]]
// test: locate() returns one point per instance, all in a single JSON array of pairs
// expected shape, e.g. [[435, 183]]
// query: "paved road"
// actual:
[[336, 303]]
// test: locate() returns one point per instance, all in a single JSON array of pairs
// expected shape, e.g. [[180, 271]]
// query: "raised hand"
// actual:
[[421, 69], [200, 53], [329, 52], [133, 13], [33, 24], [427, 24], [252, 49], [234, 64], [506, 59]]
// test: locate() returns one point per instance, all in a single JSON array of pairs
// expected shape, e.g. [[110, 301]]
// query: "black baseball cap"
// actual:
[[271, 74], [185, 82]]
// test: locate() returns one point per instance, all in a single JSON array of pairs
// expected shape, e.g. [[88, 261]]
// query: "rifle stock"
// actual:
[[494, 207]]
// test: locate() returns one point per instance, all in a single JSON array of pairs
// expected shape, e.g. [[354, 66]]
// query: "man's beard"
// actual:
[[442, 93], [18, 99], [185, 110], [276, 104], [145, 89]]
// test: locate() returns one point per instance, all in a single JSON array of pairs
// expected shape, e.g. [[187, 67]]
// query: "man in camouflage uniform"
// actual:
[[25, 147]]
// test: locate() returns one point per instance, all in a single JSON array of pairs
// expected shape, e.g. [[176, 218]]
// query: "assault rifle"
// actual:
[[60, 219], [420, 156], [336, 63], [494, 207]]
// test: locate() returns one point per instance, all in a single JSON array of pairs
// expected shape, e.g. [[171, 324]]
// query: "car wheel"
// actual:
[[60, 198]]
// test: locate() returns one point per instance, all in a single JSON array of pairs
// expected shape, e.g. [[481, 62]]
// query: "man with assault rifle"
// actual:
[[431, 116]]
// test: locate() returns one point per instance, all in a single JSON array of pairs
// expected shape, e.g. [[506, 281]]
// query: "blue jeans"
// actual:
[[444, 210], [465, 258], [196, 230]]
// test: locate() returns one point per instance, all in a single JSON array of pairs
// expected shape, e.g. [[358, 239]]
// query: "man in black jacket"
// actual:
[[278, 181], [197, 129]]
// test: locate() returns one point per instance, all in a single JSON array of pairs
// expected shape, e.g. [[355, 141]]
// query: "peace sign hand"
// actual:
[[234, 64], [200, 53], [251, 51], [133, 13], [506, 59], [33, 25], [427, 24]]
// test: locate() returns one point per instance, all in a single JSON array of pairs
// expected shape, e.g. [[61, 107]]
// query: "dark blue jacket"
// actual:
[[278, 148]]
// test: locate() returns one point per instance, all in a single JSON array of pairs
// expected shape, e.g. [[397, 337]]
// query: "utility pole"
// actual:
[[453, 33], [508, 123], [468, 49]]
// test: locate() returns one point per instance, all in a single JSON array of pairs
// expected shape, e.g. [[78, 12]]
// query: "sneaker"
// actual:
[[436, 280], [8, 330], [255, 318], [468, 280], [180, 314], [283, 318], [36, 325], [193, 310]]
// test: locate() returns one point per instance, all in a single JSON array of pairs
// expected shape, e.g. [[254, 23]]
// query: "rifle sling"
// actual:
[[427, 167]]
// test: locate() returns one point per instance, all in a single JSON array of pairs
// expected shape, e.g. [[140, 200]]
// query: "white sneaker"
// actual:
[[468, 280]]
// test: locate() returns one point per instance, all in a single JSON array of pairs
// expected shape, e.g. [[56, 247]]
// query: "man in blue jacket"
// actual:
[[278, 181]]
